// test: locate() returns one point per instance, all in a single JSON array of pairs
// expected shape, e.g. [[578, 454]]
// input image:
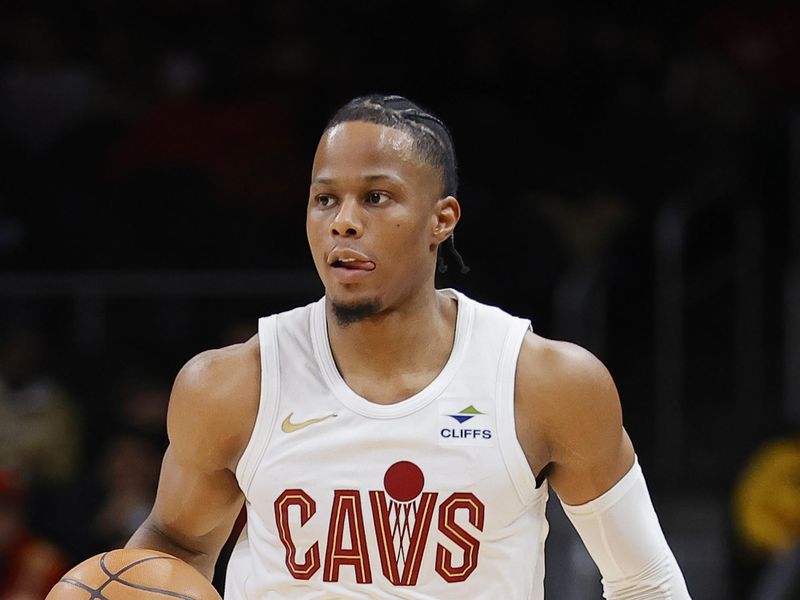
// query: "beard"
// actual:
[[347, 314]]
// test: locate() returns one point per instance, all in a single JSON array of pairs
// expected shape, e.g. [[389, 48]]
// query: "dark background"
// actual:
[[627, 182]]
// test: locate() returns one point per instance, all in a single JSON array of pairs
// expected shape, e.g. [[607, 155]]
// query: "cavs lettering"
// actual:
[[402, 515]]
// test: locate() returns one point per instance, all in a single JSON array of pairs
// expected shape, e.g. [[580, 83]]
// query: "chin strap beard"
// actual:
[[347, 314], [450, 244]]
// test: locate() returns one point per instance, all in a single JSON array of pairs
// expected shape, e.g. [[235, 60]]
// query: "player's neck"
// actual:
[[405, 347]]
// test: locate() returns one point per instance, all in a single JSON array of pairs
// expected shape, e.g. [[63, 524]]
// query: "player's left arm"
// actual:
[[569, 423]]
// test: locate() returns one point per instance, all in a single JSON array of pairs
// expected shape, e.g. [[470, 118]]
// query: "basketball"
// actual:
[[133, 574]]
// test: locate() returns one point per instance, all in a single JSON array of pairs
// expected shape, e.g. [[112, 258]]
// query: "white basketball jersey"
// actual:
[[428, 498]]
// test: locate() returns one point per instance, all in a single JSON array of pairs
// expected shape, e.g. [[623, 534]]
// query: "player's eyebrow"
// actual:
[[369, 177], [378, 176]]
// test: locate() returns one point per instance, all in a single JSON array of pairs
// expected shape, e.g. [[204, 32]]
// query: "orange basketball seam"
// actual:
[[136, 586], [115, 577], [95, 593]]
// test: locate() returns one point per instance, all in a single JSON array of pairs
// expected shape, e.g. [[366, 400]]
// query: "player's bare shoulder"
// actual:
[[214, 403], [566, 370], [563, 392]]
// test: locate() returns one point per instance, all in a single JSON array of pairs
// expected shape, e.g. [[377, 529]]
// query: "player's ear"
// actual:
[[446, 214]]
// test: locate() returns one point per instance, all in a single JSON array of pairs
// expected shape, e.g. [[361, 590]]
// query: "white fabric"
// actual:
[[621, 531], [353, 450]]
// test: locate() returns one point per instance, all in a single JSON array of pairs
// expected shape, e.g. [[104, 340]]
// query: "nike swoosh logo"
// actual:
[[288, 427]]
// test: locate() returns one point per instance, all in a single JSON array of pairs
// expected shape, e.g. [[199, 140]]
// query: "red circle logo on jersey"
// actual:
[[403, 481]]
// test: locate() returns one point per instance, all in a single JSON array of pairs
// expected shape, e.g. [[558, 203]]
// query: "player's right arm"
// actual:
[[212, 410]]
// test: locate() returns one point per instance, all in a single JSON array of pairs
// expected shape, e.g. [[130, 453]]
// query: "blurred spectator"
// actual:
[[102, 509], [142, 402], [41, 93], [763, 42], [39, 433], [29, 566], [587, 229], [767, 498], [128, 476], [766, 514], [246, 147]]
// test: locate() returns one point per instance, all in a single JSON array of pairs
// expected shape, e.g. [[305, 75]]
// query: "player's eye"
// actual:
[[324, 200], [376, 198]]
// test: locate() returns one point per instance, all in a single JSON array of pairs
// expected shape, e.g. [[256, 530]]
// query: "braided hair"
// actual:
[[432, 141]]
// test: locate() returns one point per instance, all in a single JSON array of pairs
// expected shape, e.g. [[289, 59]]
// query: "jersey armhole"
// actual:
[[267, 403], [513, 456]]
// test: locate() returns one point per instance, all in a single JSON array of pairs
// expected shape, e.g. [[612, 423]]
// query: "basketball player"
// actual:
[[393, 440]]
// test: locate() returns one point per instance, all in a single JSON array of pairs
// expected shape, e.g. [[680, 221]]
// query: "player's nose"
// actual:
[[347, 221]]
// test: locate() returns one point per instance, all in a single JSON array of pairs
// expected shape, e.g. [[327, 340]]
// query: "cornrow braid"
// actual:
[[432, 141]]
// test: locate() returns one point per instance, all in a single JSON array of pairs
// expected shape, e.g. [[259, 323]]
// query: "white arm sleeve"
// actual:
[[620, 530]]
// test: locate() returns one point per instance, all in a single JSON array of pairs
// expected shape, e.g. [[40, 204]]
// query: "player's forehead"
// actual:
[[356, 148]]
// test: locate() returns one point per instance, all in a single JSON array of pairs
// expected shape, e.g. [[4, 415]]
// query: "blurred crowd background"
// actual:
[[630, 181]]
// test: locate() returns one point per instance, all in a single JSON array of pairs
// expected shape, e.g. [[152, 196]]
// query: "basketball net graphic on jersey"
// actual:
[[402, 522]]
